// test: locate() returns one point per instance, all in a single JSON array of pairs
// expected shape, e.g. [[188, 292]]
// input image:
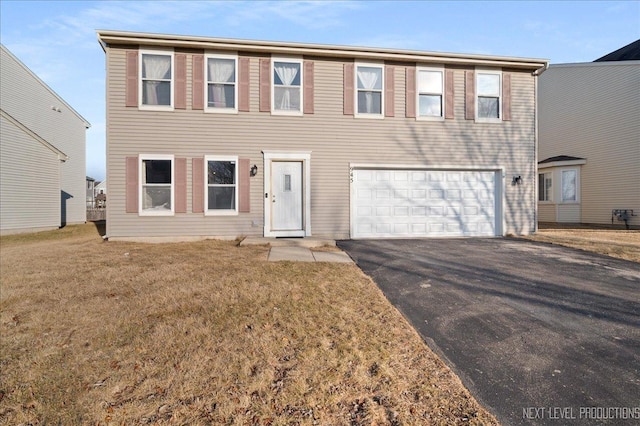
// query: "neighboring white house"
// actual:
[[589, 140], [102, 186], [42, 153]]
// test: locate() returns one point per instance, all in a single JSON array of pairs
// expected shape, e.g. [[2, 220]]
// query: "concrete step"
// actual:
[[308, 242]]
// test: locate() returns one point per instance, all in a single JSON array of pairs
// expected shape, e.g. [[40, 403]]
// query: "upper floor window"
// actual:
[[430, 93], [156, 184], [287, 86], [221, 72], [156, 79], [488, 94], [369, 89], [544, 186], [221, 185]]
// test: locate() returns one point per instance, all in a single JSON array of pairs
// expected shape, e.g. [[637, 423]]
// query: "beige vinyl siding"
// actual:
[[568, 213], [547, 212], [29, 182], [27, 99], [335, 141], [591, 111]]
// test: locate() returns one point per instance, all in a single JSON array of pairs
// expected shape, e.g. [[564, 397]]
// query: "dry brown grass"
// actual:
[[100, 332], [620, 243]]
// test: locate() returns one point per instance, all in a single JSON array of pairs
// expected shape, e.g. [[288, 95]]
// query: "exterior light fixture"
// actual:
[[254, 170]]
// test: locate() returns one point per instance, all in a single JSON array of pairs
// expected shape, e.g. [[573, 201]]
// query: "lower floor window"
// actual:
[[569, 185], [156, 185], [544, 187], [221, 185]]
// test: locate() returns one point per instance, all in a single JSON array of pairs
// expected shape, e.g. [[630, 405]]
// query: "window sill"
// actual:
[[369, 116], [489, 120], [287, 113], [155, 108], [429, 118], [221, 110], [221, 213], [156, 213]]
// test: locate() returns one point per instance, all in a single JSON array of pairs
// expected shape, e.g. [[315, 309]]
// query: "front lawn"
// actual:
[[97, 332]]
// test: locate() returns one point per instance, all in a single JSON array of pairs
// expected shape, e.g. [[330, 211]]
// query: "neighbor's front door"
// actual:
[[286, 196]]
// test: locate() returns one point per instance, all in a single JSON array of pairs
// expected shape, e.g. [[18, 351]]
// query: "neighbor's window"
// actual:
[[544, 186], [287, 86], [156, 71], [369, 85], [156, 185], [221, 185], [221, 71], [488, 94], [569, 185], [430, 90]]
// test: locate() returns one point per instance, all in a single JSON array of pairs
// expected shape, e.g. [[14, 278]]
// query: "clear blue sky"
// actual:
[[57, 40]]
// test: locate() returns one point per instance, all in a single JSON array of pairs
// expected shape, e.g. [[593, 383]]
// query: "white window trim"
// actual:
[[208, 212], [442, 93], [355, 90], [143, 157], [293, 60], [169, 53], [550, 193], [560, 198], [500, 97], [207, 108]]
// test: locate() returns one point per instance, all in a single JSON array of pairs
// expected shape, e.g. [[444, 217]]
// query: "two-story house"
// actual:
[[590, 141], [210, 137], [42, 153]]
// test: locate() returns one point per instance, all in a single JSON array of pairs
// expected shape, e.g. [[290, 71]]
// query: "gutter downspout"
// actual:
[[537, 73]]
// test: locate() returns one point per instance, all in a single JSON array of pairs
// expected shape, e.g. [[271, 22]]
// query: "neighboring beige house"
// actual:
[[42, 153], [589, 130], [223, 138]]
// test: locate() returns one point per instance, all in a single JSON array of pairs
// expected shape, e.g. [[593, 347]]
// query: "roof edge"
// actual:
[[45, 85], [107, 37], [565, 163], [61, 155]]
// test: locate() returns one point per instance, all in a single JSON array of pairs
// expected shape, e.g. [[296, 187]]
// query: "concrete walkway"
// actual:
[[299, 249]]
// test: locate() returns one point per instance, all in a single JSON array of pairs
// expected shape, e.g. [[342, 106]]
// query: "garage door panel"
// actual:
[[407, 203]]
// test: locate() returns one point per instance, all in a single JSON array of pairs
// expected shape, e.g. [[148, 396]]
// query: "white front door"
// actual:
[[286, 197]]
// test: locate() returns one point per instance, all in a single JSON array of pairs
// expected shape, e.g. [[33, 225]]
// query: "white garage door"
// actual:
[[423, 203]]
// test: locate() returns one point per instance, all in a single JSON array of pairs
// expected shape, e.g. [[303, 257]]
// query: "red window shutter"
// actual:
[[449, 95], [180, 171], [389, 91], [180, 94], [506, 96], [410, 101], [308, 87], [265, 84], [348, 89], [131, 185], [469, 95], [131, 85], [197, 185], [244, 190], [243, 84], [197, 95]]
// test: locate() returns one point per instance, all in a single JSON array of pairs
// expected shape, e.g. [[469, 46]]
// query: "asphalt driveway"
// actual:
[[540, 334]]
